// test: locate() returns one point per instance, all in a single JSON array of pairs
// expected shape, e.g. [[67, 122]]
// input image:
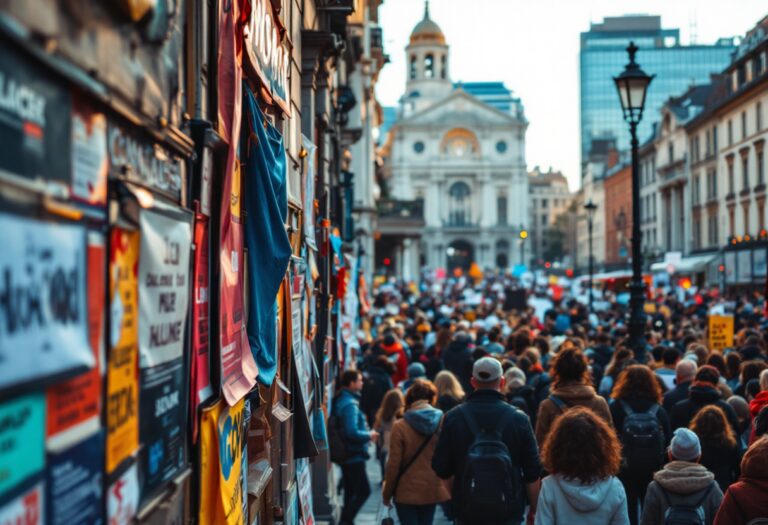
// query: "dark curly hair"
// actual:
[[637, 382], [569, 366], [711, 424], [420, 389], [581, 446]]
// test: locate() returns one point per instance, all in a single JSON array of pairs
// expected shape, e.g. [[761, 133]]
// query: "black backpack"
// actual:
[[490, 484], [678, 514], [337, 445], [642, 439]]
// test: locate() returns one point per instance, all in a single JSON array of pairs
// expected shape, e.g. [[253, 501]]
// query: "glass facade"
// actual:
[[603, 55]]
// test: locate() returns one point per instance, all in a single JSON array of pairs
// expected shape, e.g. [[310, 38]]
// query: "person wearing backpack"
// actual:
[[746, 501], [643, 428], [683, 492], [409, 479], [348, 439], [488, 447], [582, 455]]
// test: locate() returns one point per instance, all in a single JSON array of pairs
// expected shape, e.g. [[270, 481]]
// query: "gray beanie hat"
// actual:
[[685, 445]]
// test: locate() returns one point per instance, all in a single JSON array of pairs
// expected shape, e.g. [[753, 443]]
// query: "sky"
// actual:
[[533, 47]]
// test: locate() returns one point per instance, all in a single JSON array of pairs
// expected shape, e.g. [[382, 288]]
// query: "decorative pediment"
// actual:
[[460, 109]]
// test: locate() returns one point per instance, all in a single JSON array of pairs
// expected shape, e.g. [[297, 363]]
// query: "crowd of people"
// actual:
[[502, 414]]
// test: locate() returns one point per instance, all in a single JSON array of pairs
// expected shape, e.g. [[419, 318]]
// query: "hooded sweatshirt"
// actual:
[[569, 501], [681, 483], [747, 498], [572, 394]]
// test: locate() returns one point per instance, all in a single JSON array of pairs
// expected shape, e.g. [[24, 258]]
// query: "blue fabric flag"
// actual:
[[269, 249]]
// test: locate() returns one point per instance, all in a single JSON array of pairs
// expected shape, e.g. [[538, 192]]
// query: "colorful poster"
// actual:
[[201, 376], [304, 482], [74, 484], [222, 464], [123, 498], [42, 300], [309, 193], [74, 405], [163, 287], [162, 425], [25, 509], [720, 332], [89, 153], [22, 440], [122, 366]]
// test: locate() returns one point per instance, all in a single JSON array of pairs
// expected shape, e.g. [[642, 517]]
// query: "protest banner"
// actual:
[[720, 332]]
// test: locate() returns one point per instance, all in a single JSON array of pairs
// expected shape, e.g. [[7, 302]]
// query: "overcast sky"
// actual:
[[533, 47]]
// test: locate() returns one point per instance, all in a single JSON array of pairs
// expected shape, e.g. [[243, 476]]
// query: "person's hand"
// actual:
[[374, 435], [531, 518]]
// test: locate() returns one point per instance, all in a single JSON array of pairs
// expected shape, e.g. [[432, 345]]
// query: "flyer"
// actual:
[[201, 376], [26, 509], [22, 440], [123, 498], [90, 161]]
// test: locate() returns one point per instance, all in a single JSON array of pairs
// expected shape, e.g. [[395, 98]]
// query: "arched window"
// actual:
[[460, 206], [502, 254], [429, 66], [444, 67], [413, 67]]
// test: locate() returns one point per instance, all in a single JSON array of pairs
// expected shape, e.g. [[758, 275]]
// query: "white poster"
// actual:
[[26, 508], [43, 315], [164, 280], [304, 481], [123, 498], [309, 193]]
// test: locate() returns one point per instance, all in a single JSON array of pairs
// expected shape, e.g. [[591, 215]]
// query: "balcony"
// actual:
[[400, 217]]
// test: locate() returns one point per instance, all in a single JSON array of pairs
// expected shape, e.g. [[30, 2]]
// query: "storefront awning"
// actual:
[[686, 265]]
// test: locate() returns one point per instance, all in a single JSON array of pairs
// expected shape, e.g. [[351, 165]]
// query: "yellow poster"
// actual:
[[222, 464], [720, 332], [122, 364]]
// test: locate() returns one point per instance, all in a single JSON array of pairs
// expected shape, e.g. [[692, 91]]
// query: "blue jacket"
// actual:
[[354, 427]]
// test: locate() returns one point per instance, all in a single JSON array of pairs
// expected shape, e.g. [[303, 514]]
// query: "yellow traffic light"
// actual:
[[523, 234]]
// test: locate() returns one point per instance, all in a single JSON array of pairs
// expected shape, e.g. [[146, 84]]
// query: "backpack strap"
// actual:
[[653, 410], [470, 420], [627, 409], [405, 467], [559, 403]]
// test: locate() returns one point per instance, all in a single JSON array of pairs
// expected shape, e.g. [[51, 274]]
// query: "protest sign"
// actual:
[[720, 332]]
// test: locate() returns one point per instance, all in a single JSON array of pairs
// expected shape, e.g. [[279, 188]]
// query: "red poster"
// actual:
[[201, 377], [74, 405]]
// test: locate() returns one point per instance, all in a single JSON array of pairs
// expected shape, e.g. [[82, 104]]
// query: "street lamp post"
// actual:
[[523, 237], [632, 85], [590, 207]]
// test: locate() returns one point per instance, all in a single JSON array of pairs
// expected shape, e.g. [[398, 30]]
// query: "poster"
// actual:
[[222, 466], [162, 425], [122, 366], [25, 509], [22, 440], [74, 406], [720, 332], [304, 482], [42, 300], [163, 287], [74, 484], [309, 193], [301, 354], [89, 153], [123, 498], [200, 375]]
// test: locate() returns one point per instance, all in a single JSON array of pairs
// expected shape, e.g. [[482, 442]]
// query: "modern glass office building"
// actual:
[[603, 55]]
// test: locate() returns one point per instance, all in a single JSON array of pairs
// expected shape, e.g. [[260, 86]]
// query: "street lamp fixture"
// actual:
[[632, 86], [591, 207]]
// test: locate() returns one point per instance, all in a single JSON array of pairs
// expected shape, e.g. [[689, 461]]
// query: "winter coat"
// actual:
[[565, 502], [721, 460], [457, 358], [376, 384], [419, 485], [525, 399], [572, 394], [680, 483], [396, 354], [747, 498], [446, 402], [641, 405], [353, 425], [757, 404], [700, 396], [677, 394], [540, 381]]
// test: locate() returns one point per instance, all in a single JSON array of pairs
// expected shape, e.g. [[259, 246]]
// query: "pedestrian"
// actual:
[[415, 371], [703, 392], [409, 479], [720, 452], [377, 381], [449, 391], [760, 401], [732, 367], [571, 386], [535, 375], [582, 455], [519, 394], [747, 499], [356, 437], [685, 370], [683, 490], [643, 428], [667, 373], [457, 359], [490, 483], [390, 411], [741, 408], [620, 359], [749, 370], [395, 352]]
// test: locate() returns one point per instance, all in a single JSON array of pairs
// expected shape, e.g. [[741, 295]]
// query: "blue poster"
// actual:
[[22, 439], [74, 483]]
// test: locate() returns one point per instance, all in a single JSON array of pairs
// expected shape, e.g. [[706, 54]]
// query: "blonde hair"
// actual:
[[447, 384]]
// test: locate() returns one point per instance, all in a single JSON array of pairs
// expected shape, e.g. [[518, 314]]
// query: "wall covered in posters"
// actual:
[[22, 435]]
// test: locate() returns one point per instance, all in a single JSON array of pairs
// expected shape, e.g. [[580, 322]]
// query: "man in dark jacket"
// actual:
[[377, 381], [457, 358], [685, 370], [490, 410], [703, 392], [356, 437]]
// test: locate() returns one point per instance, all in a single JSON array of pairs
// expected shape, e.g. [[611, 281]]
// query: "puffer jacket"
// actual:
[[565, 502], [699, 396], [681, 483], [419, 485], [572, 394], [354, 426], [747, 499]]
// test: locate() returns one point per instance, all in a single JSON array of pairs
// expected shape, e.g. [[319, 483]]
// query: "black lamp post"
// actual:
[[591, 207], [632, 86]]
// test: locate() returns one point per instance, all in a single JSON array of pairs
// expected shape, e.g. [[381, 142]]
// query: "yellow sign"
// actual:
[[720, 332], [122, 364]]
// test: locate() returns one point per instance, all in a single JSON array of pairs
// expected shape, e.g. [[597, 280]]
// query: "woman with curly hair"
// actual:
[[720, 452], [571, 386], [636, 396], [582, 455]]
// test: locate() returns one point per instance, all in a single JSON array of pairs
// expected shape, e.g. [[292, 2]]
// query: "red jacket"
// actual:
[[401, 362], [755, 406], [747, 498]]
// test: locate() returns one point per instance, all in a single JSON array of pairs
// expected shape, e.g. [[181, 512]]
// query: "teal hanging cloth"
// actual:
[[269, 249]]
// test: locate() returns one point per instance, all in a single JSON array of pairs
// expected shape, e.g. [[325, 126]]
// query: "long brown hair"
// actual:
[[710, 424], [637, 382], [581, 446], [569, 365], [391, 407], [420, 390]]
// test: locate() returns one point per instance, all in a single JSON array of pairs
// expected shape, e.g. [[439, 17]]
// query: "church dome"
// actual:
[[427, 31]]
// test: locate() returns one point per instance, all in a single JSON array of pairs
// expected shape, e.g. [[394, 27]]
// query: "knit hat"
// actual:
[[416, 370], [685, 445]]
